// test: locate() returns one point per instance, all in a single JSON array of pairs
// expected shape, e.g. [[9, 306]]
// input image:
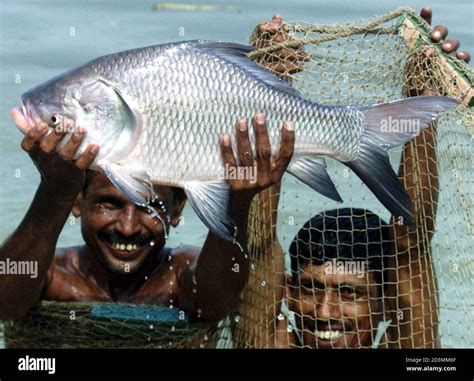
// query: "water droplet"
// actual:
[[206, 338], [152, 243], [252, 266], [173, 328], [281, 317], [263, 284], [233, 258], [289, 328], [151, 326], [171, 306], [171, 267], [194, 290], [146, 278], [237, 318]]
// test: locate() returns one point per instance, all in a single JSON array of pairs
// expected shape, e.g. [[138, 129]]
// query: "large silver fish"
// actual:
[[157, 113]]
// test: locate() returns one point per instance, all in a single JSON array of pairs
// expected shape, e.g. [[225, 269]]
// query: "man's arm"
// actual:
[[36, 237], [212, 287], [412, 291], [259, 327]]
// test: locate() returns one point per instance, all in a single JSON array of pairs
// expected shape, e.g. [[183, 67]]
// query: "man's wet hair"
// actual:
[[347, 234]]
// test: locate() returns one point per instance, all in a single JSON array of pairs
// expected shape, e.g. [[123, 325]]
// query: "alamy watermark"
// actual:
[[240, 173], [335, 267], [45, 364], [68, 128], [11, 267], [390, 125]]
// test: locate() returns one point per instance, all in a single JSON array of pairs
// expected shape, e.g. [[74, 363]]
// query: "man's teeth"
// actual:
[[125, 246], [328, 335]]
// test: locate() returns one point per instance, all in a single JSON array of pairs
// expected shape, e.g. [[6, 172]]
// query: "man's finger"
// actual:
[[71, 147], [277, 18], [285, 67], [286, 148], [243, 144], [273, 26], [31, 141], [439, 33], [426, 14], [465, 56], [269, 27], [292, 54], [263, 148], [450, 45], [227, 151], [280, 37], [49, 143], [87, 158]]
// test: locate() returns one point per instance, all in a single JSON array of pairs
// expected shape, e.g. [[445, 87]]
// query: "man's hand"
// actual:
[[267, 169], [282, 62], [222, 268], [63, 176], [440, 33]]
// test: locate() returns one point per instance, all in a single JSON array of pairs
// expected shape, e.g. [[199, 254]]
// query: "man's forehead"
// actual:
[[334, 276]]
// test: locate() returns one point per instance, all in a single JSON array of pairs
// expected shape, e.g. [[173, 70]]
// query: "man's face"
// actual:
[[335, 310], [119, 232]]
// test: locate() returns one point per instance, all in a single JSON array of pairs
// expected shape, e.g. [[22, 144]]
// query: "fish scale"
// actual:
[[157, 113], [226, 90]]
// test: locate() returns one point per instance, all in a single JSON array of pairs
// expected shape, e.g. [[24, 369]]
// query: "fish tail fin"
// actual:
[[383, 130]]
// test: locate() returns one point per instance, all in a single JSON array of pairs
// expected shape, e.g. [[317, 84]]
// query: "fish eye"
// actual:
[[55, 119]]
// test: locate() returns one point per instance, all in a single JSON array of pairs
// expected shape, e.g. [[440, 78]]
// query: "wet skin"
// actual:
[[81, 267], [149, 274], [200, 281], [313, 309]]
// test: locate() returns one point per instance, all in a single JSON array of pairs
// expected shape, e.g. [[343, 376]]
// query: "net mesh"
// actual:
[[315, 292]]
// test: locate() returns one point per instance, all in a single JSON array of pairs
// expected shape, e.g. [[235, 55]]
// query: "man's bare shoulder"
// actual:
[[184, 256], [69, 257]]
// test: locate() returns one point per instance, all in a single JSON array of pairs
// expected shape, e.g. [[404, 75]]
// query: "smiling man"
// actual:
[[124, 258], [395, 303], [336, 292]]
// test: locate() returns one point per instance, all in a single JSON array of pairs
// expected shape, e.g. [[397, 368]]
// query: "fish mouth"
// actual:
[[23, 117], [125, 248]]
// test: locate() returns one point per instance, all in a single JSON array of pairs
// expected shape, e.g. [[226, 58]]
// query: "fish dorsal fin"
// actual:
[[236, 54]]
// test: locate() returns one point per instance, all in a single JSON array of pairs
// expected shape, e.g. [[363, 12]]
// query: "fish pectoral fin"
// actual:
[[133, 182], [210, 200], [312, 171]]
